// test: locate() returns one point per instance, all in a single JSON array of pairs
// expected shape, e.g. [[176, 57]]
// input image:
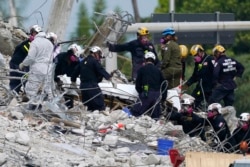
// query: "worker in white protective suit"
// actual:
[[39, 60]]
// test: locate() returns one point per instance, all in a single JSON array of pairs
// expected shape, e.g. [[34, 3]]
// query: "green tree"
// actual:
[[83, 26], [97, 17]]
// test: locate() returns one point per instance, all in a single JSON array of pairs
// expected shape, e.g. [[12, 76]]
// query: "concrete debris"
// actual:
[[57, 142], [10, 37]]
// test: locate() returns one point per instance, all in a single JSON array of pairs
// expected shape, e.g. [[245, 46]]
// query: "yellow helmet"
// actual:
[[219, 48], [142, 31], [184, 51], [195, 48]]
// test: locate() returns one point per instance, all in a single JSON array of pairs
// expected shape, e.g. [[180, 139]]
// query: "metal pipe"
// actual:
[[193, 26], [171, 6]]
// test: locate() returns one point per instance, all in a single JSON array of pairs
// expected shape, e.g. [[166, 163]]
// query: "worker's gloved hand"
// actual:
[[73, 85], [21, 66]]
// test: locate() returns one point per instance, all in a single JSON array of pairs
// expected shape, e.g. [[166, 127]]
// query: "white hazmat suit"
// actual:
[[39, 59]]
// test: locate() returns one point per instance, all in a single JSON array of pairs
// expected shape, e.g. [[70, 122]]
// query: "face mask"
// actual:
[[244, 126], [31, 38], [73, 58], [197, 59], [190, 110], [163, 41], [210, 115]]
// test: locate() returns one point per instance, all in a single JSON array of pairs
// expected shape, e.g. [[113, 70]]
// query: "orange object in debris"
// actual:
[[120, 125], [243, 146], [175, 157]]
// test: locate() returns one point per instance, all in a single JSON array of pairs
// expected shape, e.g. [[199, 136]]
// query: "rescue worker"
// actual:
[[192, 124], [40, 63], [53, 38], [242, 132], [20, 53], [184, 53], [137, 48], [202, 75], [223, 141], [225, 72], [171, 66], [66, 62], [149, 85], [91, 73]]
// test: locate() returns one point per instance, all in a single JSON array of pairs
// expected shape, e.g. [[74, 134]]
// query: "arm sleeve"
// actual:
[[138, 83], [102, 71], [240, 69], [193, 77], [75, 73], [30, 59], [120, 47], [216, 72]]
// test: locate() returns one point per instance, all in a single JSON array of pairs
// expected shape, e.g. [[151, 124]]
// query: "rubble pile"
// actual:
[[102, 139], [10, 37]]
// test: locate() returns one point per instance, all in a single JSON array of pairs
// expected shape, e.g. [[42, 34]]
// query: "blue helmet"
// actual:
[[168, 31]]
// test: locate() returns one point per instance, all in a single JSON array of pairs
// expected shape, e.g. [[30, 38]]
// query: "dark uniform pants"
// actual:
[[148, 103], [220, 93], [92, 96], [15, 84], [199, 95]]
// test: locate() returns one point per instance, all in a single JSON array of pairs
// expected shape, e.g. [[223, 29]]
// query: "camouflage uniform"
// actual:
[[171, 63]]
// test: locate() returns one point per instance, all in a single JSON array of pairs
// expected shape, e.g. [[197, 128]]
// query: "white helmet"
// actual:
[[52, 36], [215, 106], [76, 48], [36, 28], [186, 101], [95, 49], [244, 116], [149, 55], [79, 51]]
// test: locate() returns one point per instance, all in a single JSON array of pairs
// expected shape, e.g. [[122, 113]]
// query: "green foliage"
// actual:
[[83, 26], [86, 24], [97, 18]]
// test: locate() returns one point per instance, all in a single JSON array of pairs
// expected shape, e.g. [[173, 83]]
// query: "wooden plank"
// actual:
[[208, 159]]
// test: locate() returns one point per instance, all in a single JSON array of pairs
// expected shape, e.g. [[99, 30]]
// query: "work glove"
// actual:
[[73, 85], [21, 66], [25, 76]]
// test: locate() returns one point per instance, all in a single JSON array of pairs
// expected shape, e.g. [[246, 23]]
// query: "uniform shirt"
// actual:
[[40, 55], [241, 134], [64, 65], [20, 52], [171, 56], [149, 75], [191, 124], [90, 70], [220, 127], [136, 48], [203, 73], [225, 69]]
